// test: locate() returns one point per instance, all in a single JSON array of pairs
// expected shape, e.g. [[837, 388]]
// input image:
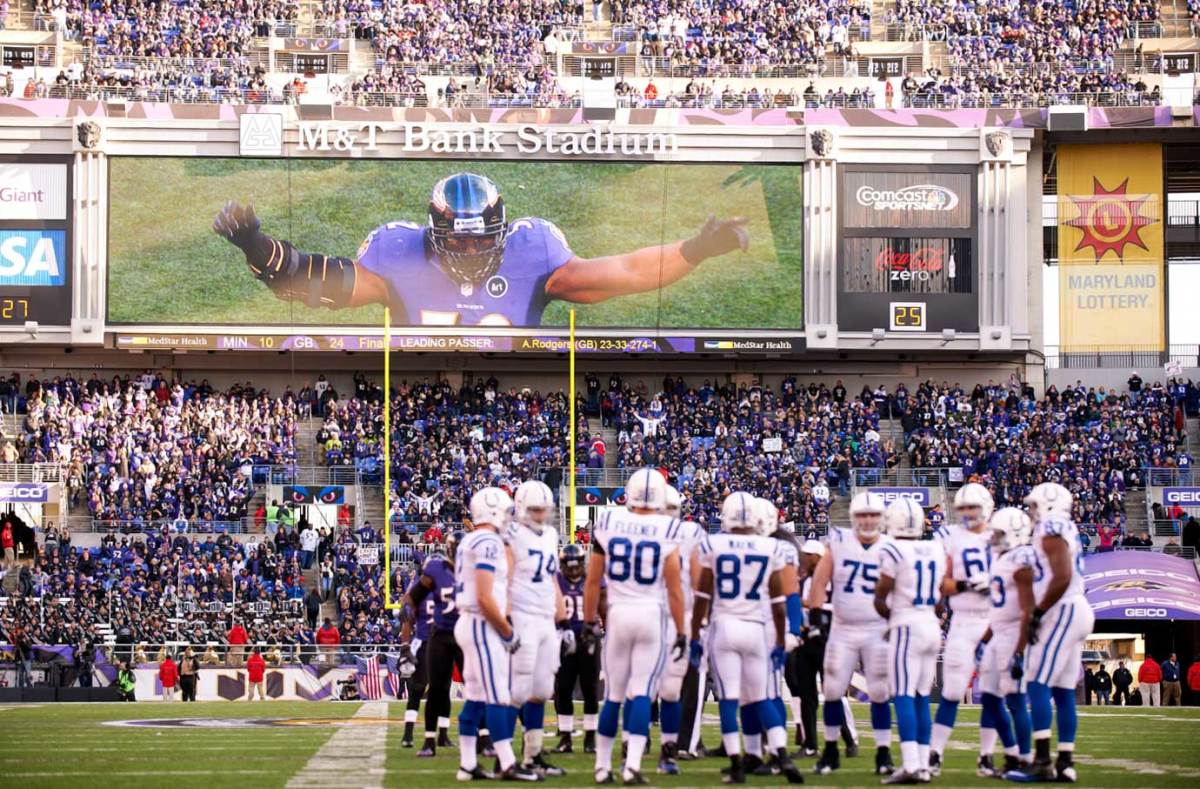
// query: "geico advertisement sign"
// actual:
[[919, 495], [29, 493], [32, 257], [1182, 496], [33, 191]]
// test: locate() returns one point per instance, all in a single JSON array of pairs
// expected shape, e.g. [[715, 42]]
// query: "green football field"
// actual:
[[75, 745], [167, 266]]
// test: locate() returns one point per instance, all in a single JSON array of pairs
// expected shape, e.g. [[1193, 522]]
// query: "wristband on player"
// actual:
[[702, 595], [563, 624], [795, 614], [960, 586], [1038, 614]]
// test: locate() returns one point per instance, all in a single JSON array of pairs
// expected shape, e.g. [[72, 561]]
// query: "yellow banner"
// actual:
[[1110, 246]]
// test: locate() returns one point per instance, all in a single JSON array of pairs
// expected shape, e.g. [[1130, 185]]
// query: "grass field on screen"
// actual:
[[57, 745], [167, 266]]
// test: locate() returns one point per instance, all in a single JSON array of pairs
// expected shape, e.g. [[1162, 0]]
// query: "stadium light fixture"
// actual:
[[877, 336]]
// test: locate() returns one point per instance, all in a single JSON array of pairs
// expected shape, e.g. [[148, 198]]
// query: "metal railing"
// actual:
[[82, 523], [31, 472], [1182, 551], [900, 477], [1090, 357], [1162, 477]]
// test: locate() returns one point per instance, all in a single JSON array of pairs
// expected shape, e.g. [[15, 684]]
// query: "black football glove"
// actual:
[[240, 226], [1035, 624], [716, 238], [591, 636], [680, 650]]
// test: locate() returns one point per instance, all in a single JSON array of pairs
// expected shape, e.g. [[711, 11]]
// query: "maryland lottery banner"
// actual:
[[1110, 246]]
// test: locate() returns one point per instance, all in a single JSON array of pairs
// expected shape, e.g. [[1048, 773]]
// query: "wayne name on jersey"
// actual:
[[741, 565], [421, 293]]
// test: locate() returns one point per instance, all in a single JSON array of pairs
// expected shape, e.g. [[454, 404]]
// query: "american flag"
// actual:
[[369, 686], [395, 683]]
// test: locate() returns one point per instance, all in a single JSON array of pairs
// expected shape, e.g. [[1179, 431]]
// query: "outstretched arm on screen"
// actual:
[[590, 280], [316, 279]]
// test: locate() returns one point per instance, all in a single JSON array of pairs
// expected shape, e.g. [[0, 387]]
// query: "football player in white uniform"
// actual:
[[670, 708], [857, 632], [636, 552], [909, 590], [1060, 623], [481, 574], [537, 606], [1002, 650], [741, 579], [966, 589]]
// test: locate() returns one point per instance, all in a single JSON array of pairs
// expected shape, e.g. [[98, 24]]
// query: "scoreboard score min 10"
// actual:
[[35, 241]]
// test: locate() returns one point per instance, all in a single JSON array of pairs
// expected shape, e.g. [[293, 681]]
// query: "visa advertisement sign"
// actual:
[[26, 492], [30, 258], [1184, 497], [919, 495]]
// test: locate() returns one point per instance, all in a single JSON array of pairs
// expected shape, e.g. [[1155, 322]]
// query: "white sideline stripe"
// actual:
[[353, 756]]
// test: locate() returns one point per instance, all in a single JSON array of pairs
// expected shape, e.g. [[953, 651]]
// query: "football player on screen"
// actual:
[[469, 265]]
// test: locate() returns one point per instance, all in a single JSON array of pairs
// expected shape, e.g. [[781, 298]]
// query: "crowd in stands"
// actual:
[[1095, 442], [733, 32], [140, 450], [718, 439]]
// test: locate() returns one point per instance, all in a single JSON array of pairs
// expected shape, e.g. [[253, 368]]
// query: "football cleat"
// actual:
[[830, 760], [518, 773], [805, 753], [782, 765], [589, 742], [935, 764], [883, 761], [1064, 767], [564, 744], [406, 742], [544, 767], [428, 752], [735, 774], [477, 774], [443, 739], [632, 778], [924, 776], [901, 777], [984, 767], [603, 776], [666, 760], [852, 749], [484, 747]]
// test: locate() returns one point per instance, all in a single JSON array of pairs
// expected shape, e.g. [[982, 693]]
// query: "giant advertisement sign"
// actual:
[[1110, 246], [35, 241], [328, 244], [907, 249], [1141, 585]]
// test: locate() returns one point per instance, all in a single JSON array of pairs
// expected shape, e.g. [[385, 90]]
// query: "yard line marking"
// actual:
[[353, 756]]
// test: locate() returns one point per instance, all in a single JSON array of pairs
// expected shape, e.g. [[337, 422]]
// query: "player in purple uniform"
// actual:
[[414, 633], [581, 666], [442, 652], [468, 265]]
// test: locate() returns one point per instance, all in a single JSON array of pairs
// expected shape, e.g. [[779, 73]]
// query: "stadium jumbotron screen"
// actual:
[[453, 243]]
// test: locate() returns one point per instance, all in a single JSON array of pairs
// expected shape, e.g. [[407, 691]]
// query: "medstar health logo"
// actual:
[[1110, 219]]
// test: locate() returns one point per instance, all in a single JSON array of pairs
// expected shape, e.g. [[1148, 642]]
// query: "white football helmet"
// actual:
[[492, 506], [1048, 499], [673, 502], [646, 489], [1010, 528], [866, 514], [970, 497], [904, 519], [768, 517], [534, 502], [740, 511]]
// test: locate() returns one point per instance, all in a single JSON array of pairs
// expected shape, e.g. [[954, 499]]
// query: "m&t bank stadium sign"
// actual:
[[415, 138]]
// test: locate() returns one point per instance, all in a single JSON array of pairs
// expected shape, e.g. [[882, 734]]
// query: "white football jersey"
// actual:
[[535, 563], [635, 549], [482, 549], [1058, 527], [855, 573], [969, 554], [1006, 605], [741, 565], [917, 567]]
